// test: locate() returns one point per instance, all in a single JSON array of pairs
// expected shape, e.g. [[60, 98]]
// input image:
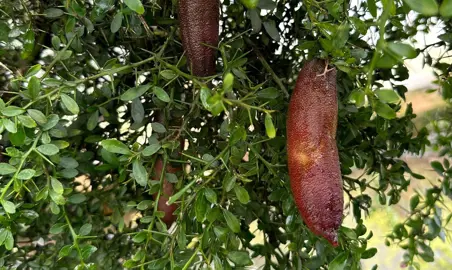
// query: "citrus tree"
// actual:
[[97, 96]]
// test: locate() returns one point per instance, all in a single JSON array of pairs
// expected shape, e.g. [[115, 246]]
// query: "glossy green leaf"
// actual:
[[384, 110], [161, 94], [339, 262], [232, 221], [6, 169], [38, 116], [116, 22], [135, 5], [53, 13], [135, 92], [272, 30], [242, 194], [115, 146], [140, 174], [240, 258], [387, 96], [56, 185], [9, 207], [26, 174], [446, 9], [85, 229], [12, 111], [269, 127], [70, 104], [48, 149], [425, 7]]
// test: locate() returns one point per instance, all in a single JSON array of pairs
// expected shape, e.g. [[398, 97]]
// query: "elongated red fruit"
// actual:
[[199, 22], [313, 159], [167, 191]]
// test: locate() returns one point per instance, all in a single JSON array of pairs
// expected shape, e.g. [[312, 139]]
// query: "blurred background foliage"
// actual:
[[95, 92]]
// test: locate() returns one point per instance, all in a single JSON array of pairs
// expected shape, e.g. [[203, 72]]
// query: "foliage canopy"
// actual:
[[84, 86]]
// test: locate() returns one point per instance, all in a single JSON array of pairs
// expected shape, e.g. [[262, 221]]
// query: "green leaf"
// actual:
[[139, 173], [9, 125], [339, 262], [6, 169], [341, 36], [135, 5], [143, 205], [228, 82], [426, 252], [57, 228], [135, 92], [38, 116], [34, 86], [116, 22], [33, 70], [387, 96], [151, 149], [446, 9], [140, 237], [369, 253], [9, 240], [87, 251], [3, 234], [77, 198], [256, 22], [372, 8], [203, 96], [168, 74], [52, 120], [85, 229], [358, 97], [56, 43], [211, 196], [229, 182], [9, 207], [26, 174], [232, 221], [272, 31], [414, 202], [402, 50], [65, 251], [56, 185], [242, 194], [425, 7], [200, 207], [28, 44], [157, 127], [215, 104], [268, 93], [384, 110], [68, 163], [250, 4], [70, 104], [269, 127], [115, 146], [92, 121], [48, 149], [18, 138], [12, 111], [438, 167], [240, 258], [53, 13], [137, 110], [161, 94], [54, 208], [171, 177], [27, 121]]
